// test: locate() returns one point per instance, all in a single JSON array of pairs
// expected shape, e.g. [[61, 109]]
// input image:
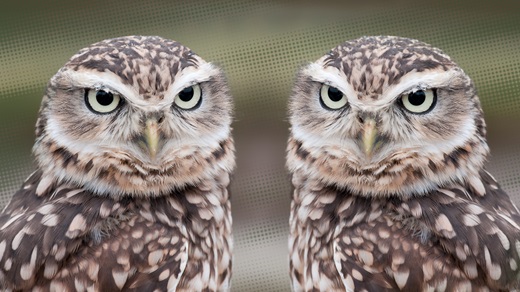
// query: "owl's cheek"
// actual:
[[63, 129], [446, 131]]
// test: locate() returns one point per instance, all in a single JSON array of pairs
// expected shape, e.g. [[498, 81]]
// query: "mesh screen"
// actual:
[[260, 45]]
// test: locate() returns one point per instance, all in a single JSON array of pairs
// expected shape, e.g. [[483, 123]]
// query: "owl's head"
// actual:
[[385, 116], [135, 116]]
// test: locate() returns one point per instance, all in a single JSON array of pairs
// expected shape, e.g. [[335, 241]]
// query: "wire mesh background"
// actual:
[[261, 45]]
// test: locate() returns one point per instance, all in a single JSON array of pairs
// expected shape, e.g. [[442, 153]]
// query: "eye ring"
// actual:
[[189, 98], [101, 101], [332, 98], [420, 101]]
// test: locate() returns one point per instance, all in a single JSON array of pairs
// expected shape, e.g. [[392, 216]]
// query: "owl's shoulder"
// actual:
[[462, 236], [71, 237]]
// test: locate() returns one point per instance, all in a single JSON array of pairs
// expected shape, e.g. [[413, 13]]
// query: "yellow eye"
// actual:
[[332, 98], [420, 101], [189, 97], [101, 101]]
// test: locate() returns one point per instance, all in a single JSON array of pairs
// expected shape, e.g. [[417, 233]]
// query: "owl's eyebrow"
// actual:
[[188, 77], [104, 87], [98, 80], [330, 76], [417, 87], [420, 80]]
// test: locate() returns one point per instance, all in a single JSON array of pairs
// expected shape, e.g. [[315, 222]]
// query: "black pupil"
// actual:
[[417, 98], [104, 98], [186, 94], [335, 94]]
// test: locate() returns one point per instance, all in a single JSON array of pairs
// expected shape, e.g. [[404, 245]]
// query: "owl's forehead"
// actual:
[[371, 65], [148, 64]]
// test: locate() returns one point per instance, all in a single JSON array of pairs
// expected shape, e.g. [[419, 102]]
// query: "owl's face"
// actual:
[[134, 115], [386, 115]]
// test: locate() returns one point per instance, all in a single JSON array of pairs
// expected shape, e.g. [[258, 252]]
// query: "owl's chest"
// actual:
[[209, 251], [392, 252], [145, 252], [188, 255], [369, 248]]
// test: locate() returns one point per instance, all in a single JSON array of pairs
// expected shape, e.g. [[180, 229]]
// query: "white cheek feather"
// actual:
[[94, 147], [464, 133], [211, 140], [59, 134], [310, 139], [317, 141]]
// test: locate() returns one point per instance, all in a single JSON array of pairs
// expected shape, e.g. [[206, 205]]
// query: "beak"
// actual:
[[369, 136], [152, 136]]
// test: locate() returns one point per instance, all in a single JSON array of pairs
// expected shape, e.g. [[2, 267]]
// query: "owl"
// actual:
[[134, 154], [386, 151]]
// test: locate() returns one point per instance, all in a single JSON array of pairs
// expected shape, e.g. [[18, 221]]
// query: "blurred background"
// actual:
[[260, 45]]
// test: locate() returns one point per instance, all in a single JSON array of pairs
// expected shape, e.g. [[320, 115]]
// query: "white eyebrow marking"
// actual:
[[416, 80], [191, 76]]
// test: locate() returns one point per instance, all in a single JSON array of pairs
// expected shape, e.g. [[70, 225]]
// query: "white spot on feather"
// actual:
[[164, 274], [443, 223], [349, 283], [154, 257], [509, 220], [11, 220], [441, 286], [366, 257], [77, 224], [27, 270], [46, 209], [93, 270], [503, 239], [494, 270], [471, 270], [57, 286], [512, 264], [427, 269], [8, 264], [475, 209], [3, 244], [51, 268], [119, 278], [477, 185], [44, 184], [50, 220], [357, 275], [17, 239], [401, 277], [470, 220]]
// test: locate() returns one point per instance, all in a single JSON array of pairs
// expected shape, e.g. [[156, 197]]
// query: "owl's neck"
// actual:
[[311, 237], [395, 176], [117, 174], [207, 218]]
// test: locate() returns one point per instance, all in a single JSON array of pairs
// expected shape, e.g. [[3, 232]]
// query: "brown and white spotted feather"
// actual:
[[105, 212], [410, 207]]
